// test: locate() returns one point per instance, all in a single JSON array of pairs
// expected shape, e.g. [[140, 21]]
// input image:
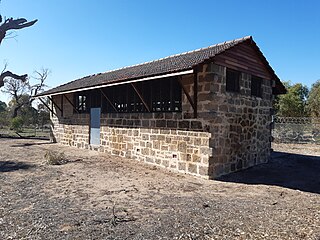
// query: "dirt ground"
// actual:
[[96, 196], [305, 149]]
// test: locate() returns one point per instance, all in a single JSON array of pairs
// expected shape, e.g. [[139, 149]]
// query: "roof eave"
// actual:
[[114, 83]]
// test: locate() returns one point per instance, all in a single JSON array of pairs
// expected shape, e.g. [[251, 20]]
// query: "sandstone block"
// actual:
[[192, 168]]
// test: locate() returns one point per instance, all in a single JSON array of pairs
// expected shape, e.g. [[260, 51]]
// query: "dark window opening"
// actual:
[[233, 81], [163, 95], [81, 102], [94, 97], [86, 100], [256, 83]]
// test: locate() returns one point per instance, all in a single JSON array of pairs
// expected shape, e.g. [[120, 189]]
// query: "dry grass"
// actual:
[[106, 197], [55, 158]]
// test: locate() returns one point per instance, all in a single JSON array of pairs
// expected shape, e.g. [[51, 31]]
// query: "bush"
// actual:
[[55, 158], [4, 122], [16, 124]]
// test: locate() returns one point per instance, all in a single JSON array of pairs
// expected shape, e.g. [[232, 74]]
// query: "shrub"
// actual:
[[16, 124], [55, 158]]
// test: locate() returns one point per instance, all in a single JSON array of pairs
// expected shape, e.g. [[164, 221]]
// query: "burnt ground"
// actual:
[[96, 196]]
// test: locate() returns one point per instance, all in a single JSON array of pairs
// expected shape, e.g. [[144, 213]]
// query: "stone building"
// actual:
[[205, 112]]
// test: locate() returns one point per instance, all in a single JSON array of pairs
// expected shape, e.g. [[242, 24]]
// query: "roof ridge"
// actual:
[[175, 55]]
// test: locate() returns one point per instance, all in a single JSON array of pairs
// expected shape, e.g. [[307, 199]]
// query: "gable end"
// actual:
[[245, 58]]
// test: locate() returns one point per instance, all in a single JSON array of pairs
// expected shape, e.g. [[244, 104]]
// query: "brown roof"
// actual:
[[171, 64]]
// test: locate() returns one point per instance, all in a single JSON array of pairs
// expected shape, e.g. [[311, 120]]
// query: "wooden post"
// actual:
[[70, 103], [141, 97], [61, 105], [186, 93], [51, 110], [195, 93], [106, 97], [55, 104], [51, 100]]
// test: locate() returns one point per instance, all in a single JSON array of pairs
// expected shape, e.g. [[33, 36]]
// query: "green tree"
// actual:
[[23, 109], [292, 104], [3, 114], [3, 107], [17, 103], [43, 115], [16, 124], [29, 115], [314, 100]]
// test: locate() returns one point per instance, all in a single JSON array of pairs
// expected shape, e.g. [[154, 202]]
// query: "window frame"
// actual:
[[81, 102], [256, 86], [233, 80]]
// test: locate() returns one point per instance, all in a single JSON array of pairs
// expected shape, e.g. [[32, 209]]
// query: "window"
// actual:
[[163, 95], [256, 86], [121, 98], [233, 81], [81, 102]]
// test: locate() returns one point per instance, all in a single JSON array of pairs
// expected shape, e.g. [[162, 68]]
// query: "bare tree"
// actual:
[[21, 92], [40, 76], [6, 27], [18, 90]]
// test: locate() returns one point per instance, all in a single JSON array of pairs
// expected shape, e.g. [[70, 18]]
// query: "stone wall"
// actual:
[[231, 131], [69, 128], [178, 150], [239, 122]]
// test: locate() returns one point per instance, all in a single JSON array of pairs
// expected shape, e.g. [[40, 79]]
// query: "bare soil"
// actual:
[[305, 149], [97, 196]]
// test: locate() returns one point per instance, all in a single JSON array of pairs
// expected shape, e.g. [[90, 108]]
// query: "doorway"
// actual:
[[95, 126]]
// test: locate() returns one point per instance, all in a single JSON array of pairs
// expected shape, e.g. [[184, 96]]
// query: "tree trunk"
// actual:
[[15, 111]]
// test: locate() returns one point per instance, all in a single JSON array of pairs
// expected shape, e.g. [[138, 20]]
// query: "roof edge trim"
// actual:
[[119, 83]]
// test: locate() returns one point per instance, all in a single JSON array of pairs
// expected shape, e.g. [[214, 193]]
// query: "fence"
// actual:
[[296, 130], [25, 132]]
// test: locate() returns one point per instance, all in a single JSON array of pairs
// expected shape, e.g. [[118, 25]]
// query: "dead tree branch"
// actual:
[[5, 74], [6, 26], [13, 24], [41, 76]]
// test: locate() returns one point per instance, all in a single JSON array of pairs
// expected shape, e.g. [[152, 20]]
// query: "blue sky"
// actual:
[[76, 38]]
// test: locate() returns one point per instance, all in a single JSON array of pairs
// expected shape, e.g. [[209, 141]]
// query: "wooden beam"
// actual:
[[56, 105], [51, 110], [106, 97], [61, 105], [140, 96], [186, 93], [51, 100], [70, 103], [171, 95], [195, 93]]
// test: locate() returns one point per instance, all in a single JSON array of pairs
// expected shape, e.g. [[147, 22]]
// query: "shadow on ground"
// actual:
[[10, 166], [295, 171], [7, 136], [31, 144]]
